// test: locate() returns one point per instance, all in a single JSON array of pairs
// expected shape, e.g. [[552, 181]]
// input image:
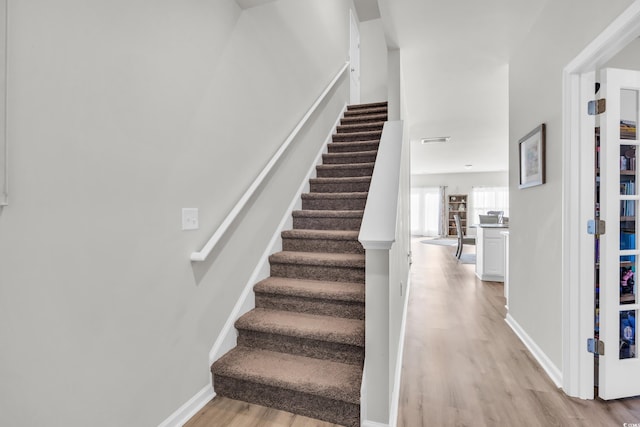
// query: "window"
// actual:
[[486, 199], [425, 211]]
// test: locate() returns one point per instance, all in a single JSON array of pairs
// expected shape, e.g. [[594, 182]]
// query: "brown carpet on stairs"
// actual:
[[302, 348]]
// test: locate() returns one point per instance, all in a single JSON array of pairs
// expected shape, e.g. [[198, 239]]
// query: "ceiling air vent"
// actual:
[[435, 139]]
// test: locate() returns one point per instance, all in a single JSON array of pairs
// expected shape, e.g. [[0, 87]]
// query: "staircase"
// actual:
[[302, 348]]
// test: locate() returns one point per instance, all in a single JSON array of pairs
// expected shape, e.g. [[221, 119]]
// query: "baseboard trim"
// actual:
[[549, 367], [190, 408]]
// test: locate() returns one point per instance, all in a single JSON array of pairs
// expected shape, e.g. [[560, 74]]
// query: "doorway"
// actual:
[[578, 203]]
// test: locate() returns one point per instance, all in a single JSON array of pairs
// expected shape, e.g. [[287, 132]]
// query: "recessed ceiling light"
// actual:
[[435, 139]]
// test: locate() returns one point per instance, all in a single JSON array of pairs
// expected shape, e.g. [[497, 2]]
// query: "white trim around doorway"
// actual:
[[578, 190]]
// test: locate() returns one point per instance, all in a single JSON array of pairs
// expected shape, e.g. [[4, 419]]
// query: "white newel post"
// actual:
[[377, 335], [377, 235]]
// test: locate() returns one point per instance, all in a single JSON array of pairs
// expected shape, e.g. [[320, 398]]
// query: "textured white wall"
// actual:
[[461, 183], [562, 30], [628, 58], [120, 114], [373, 62]]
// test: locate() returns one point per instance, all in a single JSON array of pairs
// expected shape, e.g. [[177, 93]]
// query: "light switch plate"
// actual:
[[190, 218]]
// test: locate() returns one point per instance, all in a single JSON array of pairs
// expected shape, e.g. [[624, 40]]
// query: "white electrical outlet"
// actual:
[[190, 218]]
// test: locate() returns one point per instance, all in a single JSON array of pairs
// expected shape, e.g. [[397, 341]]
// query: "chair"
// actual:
[[499, 214], [461, 239]]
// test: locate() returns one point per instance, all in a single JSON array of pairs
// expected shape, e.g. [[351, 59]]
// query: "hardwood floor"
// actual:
[[224, 412], [463, 366]]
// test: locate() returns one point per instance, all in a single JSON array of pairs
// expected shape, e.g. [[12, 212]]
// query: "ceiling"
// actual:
[[454, 60]]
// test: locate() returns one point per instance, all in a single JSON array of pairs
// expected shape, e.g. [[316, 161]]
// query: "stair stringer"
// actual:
[[227, 339]]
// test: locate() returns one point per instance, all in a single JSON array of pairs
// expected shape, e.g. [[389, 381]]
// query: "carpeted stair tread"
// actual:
[[353, 147], [352, 195], [315, 289], [381, 117], [321, 234], [345, 169], [333, 380], [350, 157], [318, 258], [313, 240], [356, 107], [304, 325], [365, 112], [357, 136], [360, 127], [340, 184], [309, 213], [327, 219]]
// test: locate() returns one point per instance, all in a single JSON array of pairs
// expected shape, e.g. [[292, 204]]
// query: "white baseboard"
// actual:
[[190, 408], [549, 367]]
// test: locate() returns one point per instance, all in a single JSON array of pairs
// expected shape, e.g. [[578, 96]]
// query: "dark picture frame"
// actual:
[[531, 152]]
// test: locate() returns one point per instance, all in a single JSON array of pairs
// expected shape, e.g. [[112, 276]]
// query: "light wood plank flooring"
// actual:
[[463, 366]]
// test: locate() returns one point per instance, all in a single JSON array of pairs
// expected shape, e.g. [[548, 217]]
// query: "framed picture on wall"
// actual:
[[531, 149]]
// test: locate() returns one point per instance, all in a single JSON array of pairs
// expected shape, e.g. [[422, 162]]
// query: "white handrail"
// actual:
[[378, 229], [208, 247]]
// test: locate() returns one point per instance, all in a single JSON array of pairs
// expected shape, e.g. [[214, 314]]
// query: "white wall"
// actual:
[[562, 30], [120, 114], [628, 58], [373, 62]]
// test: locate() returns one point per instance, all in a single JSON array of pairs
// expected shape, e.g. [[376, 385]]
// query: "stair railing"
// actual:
[[231, 216], [384, 234]]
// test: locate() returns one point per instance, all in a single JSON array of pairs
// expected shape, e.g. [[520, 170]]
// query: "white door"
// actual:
[[619, 367], [354, 59]]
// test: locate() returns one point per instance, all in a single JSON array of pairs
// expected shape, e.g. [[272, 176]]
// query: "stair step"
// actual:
[[360, 127], [340, 185], [327, 220], [356, 107], [365, 111], [357, 136], [353, 147], [332, 241], [339, 299], [321, 389], [303, 334], [334, 201], [346, 158], [381, 117], [318, 266], [345, 170]]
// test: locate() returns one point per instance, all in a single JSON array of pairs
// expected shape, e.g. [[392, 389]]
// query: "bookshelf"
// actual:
[[625, 173], [457, 204]]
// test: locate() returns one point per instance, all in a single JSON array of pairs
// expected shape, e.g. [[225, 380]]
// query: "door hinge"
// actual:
[[595, 346], [597, 106], [596, 226]]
